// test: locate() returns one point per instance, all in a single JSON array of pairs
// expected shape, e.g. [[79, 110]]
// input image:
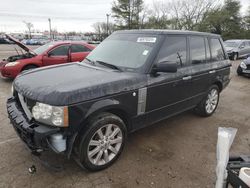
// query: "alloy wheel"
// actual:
[[105, 144], [212, 101]]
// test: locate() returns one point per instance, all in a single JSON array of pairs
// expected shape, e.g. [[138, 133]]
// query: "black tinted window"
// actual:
[[78, 48], [174, 49], [217, 51], [197, 50], [60, 51]]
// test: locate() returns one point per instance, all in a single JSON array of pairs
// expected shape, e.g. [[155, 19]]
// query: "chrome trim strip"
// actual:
[[142, 100]]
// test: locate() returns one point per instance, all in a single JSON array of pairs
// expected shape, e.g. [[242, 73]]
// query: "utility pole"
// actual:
[[107, 24], [129, 15], [50, 34]]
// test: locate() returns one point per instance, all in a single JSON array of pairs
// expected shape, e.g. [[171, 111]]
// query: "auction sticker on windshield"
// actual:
[[147, 39]]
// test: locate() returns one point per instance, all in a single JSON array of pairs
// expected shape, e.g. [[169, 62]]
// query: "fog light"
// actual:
[[58, 142]]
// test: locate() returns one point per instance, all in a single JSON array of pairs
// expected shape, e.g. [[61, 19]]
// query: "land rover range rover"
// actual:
[[131, 80]]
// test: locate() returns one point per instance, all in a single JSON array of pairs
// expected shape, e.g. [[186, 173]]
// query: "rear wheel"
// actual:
[[209, 104], [239, 71], [102, 142]]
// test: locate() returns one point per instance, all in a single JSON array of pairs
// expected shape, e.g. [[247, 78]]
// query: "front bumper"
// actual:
[[33, 135], [241, 71], [9, 72]]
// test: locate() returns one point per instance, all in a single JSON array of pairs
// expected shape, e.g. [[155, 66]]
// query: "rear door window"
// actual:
[[216, 49], [174, 49], [197, 50], [75, 48]]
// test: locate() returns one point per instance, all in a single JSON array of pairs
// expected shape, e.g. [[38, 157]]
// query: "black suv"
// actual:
[[131, 80]]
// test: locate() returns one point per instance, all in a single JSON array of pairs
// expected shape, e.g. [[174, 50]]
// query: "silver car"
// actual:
[[237, 48]]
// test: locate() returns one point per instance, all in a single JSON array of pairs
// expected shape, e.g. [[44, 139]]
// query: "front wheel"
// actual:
[[239, 71], [209, 104], [103, 142], [235, 56]]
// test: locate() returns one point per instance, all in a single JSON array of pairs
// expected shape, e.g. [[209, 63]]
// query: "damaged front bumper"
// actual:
[[37, 137]]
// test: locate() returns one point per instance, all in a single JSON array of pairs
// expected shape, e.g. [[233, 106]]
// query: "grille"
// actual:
[[25, 106], [248, 67]]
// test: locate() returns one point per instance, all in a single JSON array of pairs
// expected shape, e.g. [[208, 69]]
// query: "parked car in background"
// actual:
[[244, 67], [34, 41], [4, 41], [237, 48], [131, 80], [52, 53]]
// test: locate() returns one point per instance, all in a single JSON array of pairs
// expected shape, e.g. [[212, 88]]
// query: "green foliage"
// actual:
[[200, 15], [225, 21], [127, 13]]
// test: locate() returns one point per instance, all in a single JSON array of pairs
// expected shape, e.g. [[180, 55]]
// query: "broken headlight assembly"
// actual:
[[51, 115]]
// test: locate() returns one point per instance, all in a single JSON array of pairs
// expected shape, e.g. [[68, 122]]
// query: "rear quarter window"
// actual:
[[216, 50]]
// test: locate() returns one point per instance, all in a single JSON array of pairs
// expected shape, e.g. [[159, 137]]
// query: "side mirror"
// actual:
[[241, 47], [166, 66]]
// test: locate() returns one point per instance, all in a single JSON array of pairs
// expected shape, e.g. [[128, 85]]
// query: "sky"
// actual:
[[66, 15]]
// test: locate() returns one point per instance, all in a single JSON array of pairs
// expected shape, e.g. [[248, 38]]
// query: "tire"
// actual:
[[211, 100], [235, 56], [239, 71], [29, 67], [97, 153]]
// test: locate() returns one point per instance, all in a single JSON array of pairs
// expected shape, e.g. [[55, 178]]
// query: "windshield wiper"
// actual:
[[109, 65], [92, 62]]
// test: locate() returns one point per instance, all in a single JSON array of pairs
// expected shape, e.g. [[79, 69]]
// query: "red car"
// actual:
[[52, 53]]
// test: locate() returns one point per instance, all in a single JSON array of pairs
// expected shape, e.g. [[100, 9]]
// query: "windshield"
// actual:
[[126, 51], [43, 48], [231, 44]]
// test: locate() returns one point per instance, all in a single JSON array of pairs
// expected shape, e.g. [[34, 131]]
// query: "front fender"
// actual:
[[104, 105]]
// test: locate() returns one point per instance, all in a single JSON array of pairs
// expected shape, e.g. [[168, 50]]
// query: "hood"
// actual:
[[21, 45], [73, 83], [247, 61]]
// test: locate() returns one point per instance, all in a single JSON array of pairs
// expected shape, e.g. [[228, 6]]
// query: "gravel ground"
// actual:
[[178, 152]]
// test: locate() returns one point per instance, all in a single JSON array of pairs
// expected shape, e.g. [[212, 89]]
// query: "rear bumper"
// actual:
[[33, 135]]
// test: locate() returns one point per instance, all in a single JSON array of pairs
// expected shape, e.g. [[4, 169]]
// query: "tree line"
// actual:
[[196, 15]]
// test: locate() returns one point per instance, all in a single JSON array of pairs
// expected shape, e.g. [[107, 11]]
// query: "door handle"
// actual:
[[212, 71], [187, 78]]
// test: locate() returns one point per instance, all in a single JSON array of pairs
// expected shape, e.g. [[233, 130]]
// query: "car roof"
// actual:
[[67, 42], [57, 43], [236, 40], [159, 31]]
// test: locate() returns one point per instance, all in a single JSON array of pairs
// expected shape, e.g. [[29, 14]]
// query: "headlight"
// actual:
[[243, 65], [51, 115], [11, 64]]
